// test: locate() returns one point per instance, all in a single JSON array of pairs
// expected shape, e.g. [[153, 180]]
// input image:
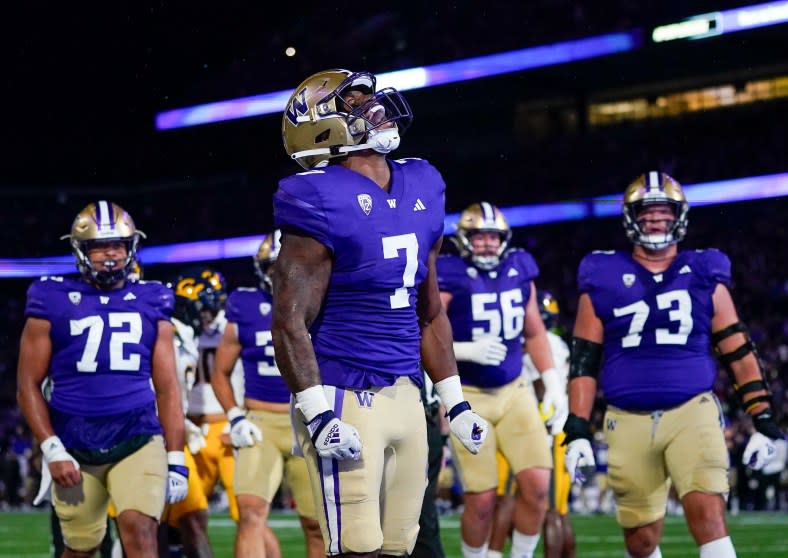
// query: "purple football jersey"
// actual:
[[102, 343], [489, 303], [367, 332], [250, 310], [657, 326]]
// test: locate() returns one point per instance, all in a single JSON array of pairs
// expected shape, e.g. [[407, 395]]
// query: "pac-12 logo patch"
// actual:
[[628, 279], [365, 202], [75, 297]]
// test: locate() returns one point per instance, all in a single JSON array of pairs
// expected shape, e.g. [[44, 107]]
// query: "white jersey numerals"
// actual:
[[506, 317], [679, 306], [391, 247], [264, 339], [131, 334]]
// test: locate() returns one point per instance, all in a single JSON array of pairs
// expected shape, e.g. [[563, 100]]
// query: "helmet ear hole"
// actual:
[[322, 136]]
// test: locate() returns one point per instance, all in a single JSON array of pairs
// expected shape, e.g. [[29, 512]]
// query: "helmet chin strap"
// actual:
[[382, 141]]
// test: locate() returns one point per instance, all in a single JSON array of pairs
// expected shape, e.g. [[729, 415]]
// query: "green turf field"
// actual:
[[755, 535]]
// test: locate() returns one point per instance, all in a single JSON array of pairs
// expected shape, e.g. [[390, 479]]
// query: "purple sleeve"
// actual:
[[585, 274], [232, 310], [36, 306], [718, 266], [448, 276], [297, 205], [527, 266], [163, 302]]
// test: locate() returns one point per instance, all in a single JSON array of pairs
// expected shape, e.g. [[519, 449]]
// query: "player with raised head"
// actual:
[[654, 315], [261, 432], [102, 340], [489, 294], [357, 310]]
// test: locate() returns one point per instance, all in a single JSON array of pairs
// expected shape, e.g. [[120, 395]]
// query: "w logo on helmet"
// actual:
[[297, 107]]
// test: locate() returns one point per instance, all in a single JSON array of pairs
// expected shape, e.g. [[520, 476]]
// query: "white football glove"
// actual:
[[470, 428], [488, 351], [578, 454], [334, 439], [555, 397], [243, 432], [177, 477], [195, 439], [759, 452]]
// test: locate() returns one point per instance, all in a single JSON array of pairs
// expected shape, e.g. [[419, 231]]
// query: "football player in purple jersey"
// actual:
[[489, 294], [357, 311], [655, 314], [261, 432], [102, 340]]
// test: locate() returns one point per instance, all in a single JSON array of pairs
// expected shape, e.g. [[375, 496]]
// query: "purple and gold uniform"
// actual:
[[492, 303], [657, 377], [102, 405], [367, 342], [259, 469]]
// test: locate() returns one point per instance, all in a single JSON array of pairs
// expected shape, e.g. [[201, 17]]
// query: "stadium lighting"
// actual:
[[707, 193], [416, 78], [720, 23]]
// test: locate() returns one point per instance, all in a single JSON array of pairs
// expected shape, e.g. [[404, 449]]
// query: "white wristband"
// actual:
[[52, 447], [234, 413], [450, 392], [312, 402], [176, 458]]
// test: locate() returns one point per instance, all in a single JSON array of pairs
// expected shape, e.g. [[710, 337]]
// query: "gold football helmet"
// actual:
[[99, 222], [548, 308], [266, 255], [482, 217], [319, 125], [651, 188]]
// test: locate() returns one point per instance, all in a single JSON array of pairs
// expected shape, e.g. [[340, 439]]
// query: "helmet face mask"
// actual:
[[335, 112], [98, 225], [651, 189], [266, 255], [478, 218]]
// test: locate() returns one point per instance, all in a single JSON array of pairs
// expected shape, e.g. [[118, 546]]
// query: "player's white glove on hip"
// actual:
[[177, 477], [488, 351], [195, 439], [759, 452], [555, 397], [333, 438], [243, 432], [470, 428]]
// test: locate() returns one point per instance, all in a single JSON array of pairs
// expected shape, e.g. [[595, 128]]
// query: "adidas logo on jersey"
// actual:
[[129, 296], [512, 272], [419, 205], [685, 269]]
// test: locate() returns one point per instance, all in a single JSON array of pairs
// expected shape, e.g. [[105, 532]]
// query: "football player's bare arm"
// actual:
[[35, 352], [300, 279], [588, 326], [227, 354], [745, 369], [536, 342], [437, 354], [168, 391]]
